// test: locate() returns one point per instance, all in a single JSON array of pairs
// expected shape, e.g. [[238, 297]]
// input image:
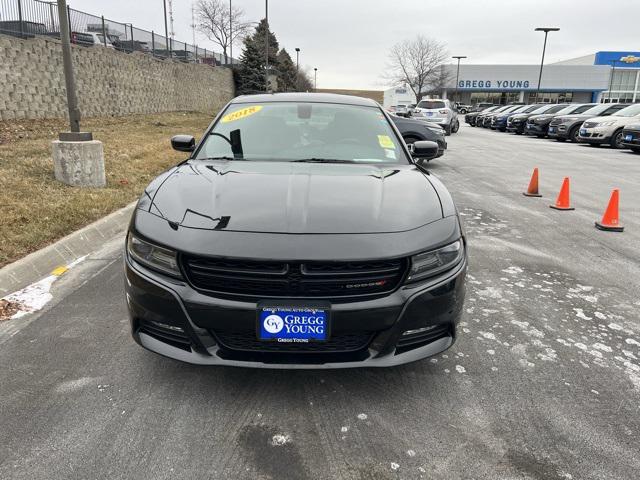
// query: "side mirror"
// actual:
[[424, 150], [183, 143]]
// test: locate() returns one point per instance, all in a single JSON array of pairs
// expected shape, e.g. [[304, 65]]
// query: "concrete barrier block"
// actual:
[[80, 164]]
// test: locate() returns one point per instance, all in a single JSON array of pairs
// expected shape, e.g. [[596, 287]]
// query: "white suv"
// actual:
[[440, 111], [599, 130]]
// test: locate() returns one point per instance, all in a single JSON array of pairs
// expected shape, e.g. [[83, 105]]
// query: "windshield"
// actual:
[[598, 109], [290, 131], [569, 109], [630, 111], [431, 104]]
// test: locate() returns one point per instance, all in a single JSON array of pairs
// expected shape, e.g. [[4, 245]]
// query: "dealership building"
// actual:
[[599, 77]]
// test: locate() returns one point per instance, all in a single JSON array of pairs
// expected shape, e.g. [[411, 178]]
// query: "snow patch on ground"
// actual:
[[279, 440], [460, 369]]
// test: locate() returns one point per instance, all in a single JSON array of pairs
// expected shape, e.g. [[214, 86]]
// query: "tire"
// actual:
[[447, 130], [456, 127], [463, 111], [573, 134], [616, 140], [635, 149]]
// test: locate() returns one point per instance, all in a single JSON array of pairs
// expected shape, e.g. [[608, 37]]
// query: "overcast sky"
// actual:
[[348, 40]]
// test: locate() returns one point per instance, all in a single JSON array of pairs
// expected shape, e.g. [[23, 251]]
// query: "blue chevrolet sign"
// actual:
[[621, 59]]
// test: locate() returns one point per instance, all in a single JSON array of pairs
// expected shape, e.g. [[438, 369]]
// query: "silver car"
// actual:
[[600, 130], [439, 111]]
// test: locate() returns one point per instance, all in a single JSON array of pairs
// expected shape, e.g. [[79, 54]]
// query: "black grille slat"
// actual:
[[175, 338], [406, 342], [293, 279], [338, 343]]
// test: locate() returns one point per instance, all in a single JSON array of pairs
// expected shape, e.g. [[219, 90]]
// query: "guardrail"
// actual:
[[28, 18]]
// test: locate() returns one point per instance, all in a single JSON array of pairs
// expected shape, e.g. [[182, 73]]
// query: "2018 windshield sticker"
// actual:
[[240, 114], [385, 141]]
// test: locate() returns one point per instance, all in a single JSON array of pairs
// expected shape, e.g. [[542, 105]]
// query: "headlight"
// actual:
[[605, 124], [428, 264], [152, 256], [569, 119], [540, 120]]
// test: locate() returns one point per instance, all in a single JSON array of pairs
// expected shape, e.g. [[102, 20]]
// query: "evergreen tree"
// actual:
[[287, 75], [252, 61]]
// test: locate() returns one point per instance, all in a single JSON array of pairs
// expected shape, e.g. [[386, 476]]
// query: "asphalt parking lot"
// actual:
[[543, 382]]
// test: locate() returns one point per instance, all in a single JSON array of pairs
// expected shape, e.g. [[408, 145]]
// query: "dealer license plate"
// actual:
[[628, 138], [583, 131], [552, 129], [293, 324]]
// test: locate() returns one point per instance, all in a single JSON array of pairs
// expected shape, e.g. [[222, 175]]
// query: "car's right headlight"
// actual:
[[157, 258], [605, 124], [428, 264]]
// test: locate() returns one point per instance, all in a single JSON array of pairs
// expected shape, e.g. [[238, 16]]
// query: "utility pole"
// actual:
[[315, 79], [546, 31], [78, 160], [69, 80], [458, 57], [266, 45], [166, 28], [193, 22]]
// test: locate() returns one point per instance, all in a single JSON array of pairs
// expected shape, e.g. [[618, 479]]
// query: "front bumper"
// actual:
[[596, 135], [535, 129], [558, 131], [634, 141], [172, 319], [517, 127]]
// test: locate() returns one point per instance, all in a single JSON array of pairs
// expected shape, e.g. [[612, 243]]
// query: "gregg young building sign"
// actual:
[[500, 84]]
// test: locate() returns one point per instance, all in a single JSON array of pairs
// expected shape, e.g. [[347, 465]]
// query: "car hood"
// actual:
[[615, 118], [576, 116], [285, 197]]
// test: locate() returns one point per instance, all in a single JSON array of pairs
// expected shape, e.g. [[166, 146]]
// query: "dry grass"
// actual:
[[36, 210]]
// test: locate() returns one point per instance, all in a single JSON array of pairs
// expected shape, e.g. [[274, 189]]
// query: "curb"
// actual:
[[40, 263]]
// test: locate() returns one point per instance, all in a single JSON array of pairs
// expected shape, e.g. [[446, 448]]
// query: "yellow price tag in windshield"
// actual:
[[385, 141], [240, 114]]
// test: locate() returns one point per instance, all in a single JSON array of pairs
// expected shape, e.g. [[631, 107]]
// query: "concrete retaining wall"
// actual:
[[109, 82]]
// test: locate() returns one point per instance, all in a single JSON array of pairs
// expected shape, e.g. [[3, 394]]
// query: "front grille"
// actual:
[[589, 124], [422, 338], [293, 279], [337, 343], [555, 121]]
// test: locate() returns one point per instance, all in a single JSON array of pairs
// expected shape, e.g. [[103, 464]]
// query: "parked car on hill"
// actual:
[[567, 127], [416, 130], [608, 130], [439, 111], [631, 137], [538, 125], [300, 232]]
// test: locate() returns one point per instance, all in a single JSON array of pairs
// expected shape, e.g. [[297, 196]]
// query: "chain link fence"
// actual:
[[28, 18]]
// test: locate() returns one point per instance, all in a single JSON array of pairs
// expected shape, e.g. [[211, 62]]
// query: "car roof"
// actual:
[[305, 97]]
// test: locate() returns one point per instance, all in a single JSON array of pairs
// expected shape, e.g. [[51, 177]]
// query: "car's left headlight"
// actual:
[[605, 124], [157, 258], [428, 264]]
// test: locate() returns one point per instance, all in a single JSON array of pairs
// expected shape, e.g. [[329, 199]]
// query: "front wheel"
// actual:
[[456, 127], [618, 138], [447, 130], [574, 133]]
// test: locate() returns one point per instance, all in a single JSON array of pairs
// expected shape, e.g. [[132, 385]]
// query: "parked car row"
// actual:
[[615, 124]]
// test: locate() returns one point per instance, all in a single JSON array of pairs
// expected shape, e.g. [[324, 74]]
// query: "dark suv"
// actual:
[[301, 232]]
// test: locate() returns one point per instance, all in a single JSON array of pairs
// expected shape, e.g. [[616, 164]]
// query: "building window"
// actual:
[[551, 97]]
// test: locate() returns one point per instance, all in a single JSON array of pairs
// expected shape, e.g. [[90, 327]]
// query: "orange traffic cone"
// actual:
[[532, 191], [610, 220], [562, 202]]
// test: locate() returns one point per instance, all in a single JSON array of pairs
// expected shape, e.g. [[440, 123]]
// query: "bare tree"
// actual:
[[220, 24], [416, 63]]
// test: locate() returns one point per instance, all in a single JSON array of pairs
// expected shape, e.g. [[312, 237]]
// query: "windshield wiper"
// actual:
[[322, 160]]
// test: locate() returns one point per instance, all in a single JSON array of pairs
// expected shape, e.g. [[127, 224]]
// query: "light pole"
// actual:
[[166, 28], [266, 45], [297, 58], [546, 31], [457, 57], [72, 100], [315, 79], [230, 34], [613, 72]]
